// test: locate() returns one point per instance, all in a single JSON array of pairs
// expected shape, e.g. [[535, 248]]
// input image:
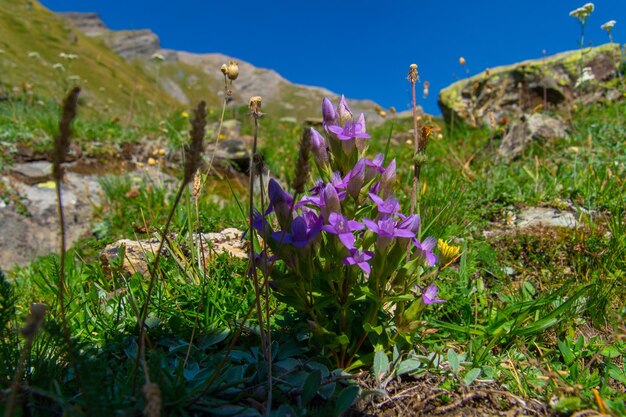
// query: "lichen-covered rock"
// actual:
[[521, 133], [137, 252], [510, 91]]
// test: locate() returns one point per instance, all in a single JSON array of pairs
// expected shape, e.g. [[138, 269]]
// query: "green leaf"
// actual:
[[381, 365], [453, 360], [408, 366], [310, 386], [343, 339], [568, 355], [471, 376], [215, 338], [616, 373], [611, 352], [345, 399], [369, 329]]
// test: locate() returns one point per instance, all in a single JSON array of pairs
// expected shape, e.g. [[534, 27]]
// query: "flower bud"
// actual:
[[224, 69], [331, 203], [462, 61], [328, 111], [355, 179], [344, 111], [318, 148], [232, 70], [388, 179]]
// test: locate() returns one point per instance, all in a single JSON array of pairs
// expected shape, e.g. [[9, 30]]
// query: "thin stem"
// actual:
[[415, 148]]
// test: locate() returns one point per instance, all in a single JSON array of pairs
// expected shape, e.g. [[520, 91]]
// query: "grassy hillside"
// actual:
[[35, 45]]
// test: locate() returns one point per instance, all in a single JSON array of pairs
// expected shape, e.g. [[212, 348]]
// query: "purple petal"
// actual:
[[347, 239], [372, 225]]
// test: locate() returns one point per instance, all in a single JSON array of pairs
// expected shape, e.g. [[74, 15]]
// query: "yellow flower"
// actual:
[[185, 115], [448, 253]]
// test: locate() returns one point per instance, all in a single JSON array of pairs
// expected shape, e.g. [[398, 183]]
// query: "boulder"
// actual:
[[510, 91], [230, 152], [521, 133]]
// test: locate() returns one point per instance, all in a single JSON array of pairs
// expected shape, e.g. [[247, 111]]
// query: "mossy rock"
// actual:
[[554, 82]]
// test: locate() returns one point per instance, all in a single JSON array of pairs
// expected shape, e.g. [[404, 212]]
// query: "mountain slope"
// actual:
[[41, 52]]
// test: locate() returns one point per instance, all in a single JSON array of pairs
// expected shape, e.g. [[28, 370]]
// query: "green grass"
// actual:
[[538, 311]]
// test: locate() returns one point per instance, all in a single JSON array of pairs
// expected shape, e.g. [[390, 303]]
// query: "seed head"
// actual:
[[224, 69], [255, 105], [232, 70], [413, 77], [462, 61]]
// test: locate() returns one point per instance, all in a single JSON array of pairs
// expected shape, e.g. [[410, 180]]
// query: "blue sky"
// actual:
[[363, 49]]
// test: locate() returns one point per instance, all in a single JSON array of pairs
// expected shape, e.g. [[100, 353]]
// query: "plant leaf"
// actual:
[[310, 386], [471, 376], [345, 399], [381, 365], [453, 360]]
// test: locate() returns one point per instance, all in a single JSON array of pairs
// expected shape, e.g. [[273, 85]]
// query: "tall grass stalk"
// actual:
[[59, 154], [413, 78]]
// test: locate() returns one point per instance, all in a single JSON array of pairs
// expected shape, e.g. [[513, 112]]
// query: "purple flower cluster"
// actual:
[[349, 212]]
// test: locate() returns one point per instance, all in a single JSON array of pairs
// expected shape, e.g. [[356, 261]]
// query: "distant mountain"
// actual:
[[188, 77]]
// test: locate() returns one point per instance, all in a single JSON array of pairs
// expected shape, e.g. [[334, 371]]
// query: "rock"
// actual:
[[228, 241], [130, 44], [534, 127], [33, 172], [546, 217], [134, 252], [88, 23], [25, 237], [513, 90], [231, 152]]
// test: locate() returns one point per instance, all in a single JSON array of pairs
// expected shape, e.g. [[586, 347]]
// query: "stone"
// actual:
[[134, 252], [228, 241], [521, 133], [511, 91], [546, 217], [230, 152]]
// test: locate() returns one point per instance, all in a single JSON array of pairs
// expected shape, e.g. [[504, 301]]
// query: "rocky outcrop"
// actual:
[[536, 127], [556, 81], [88, 23], [130, 44]]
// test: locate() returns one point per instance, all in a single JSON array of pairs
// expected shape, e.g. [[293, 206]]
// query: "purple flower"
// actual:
[[425, 249], [411, 222], [429, 296], [388, 179], [359, 259], [300, 235], [329, 201], [386, 229], [343, 228], [354, 179], [375, 166], [280, 202], [351, 130], [318, 148], [387, 207], [328, 113]]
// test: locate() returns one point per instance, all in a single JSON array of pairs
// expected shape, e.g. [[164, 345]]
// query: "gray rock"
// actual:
[[88, 23], [32, 172], [546, 217], [231, 152], [520, 134]]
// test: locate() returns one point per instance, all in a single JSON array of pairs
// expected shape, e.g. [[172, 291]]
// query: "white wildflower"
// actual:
[[582, 13], [586, 76], [608, 26], [156, 57], [34, 55], [58, 67]]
